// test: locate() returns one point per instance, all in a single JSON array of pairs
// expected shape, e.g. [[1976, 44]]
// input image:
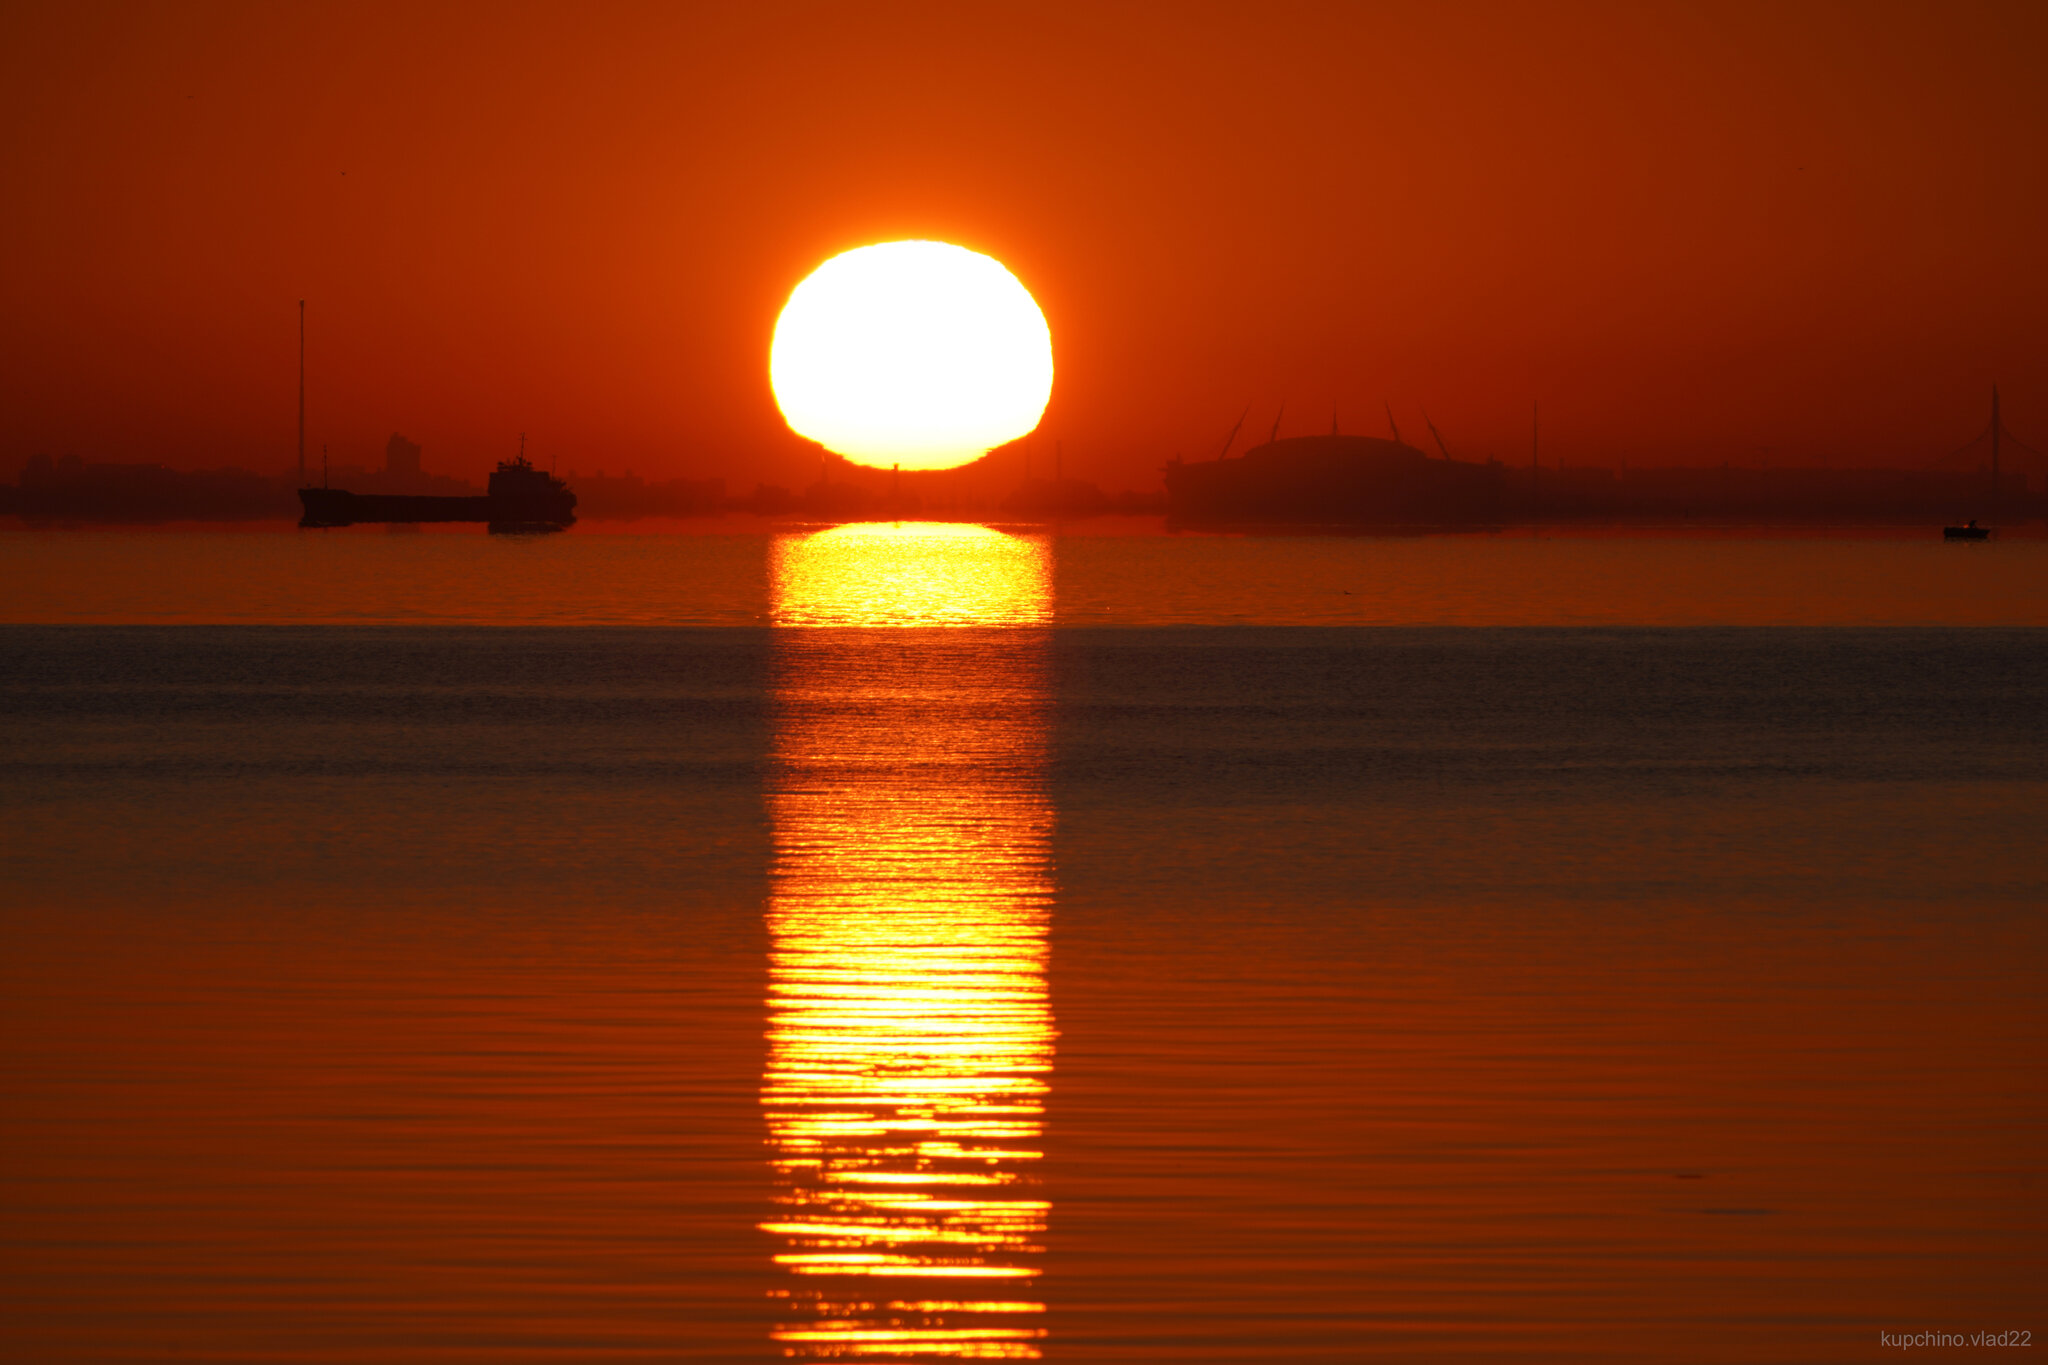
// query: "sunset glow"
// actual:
[[596, 767], [921, 354]]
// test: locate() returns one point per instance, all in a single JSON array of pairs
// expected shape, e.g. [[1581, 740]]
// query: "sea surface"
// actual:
[[930, 943]]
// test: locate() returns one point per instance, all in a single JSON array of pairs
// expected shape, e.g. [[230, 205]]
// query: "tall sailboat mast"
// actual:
[[302, 393]]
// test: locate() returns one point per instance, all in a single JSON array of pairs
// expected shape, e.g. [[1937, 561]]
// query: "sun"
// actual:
[[922, 354]]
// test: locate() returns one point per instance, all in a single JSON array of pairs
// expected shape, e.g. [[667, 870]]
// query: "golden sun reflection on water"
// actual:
[[910, 574], [910, 1033]]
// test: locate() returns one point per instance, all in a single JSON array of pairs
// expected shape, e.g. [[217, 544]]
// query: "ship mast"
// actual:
[[302, 393], [1994, 454]]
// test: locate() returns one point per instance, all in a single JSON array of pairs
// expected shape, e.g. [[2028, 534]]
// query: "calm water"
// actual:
[[370, 575], [905, 970]]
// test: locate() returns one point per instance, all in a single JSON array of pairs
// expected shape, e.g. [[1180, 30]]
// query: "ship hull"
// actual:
[[525, 514]]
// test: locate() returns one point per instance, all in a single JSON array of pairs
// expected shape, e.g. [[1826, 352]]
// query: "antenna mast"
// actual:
[[1994, 454], [302, 393]]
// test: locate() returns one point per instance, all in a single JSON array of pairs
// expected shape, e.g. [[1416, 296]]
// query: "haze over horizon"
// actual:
[[1740, 233]]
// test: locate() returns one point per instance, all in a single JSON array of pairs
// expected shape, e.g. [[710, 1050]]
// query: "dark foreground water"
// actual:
[[1174, 994]]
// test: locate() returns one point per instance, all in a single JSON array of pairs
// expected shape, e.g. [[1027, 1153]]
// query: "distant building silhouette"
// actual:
[[71, 489], [1335, 480], [1361, 481], [627, 496], [403, 473], [1058, 498], [401, 458]]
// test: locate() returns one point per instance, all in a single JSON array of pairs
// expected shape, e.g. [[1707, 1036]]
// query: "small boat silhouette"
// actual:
[[1972, 531]]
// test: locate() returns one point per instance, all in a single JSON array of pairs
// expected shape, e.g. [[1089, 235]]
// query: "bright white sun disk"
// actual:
[[922, 354]]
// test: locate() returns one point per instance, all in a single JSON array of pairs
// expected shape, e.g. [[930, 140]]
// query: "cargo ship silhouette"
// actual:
[[519, 499]]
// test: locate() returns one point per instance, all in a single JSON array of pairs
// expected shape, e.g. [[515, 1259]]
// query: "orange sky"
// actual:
[[1772, 233]]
